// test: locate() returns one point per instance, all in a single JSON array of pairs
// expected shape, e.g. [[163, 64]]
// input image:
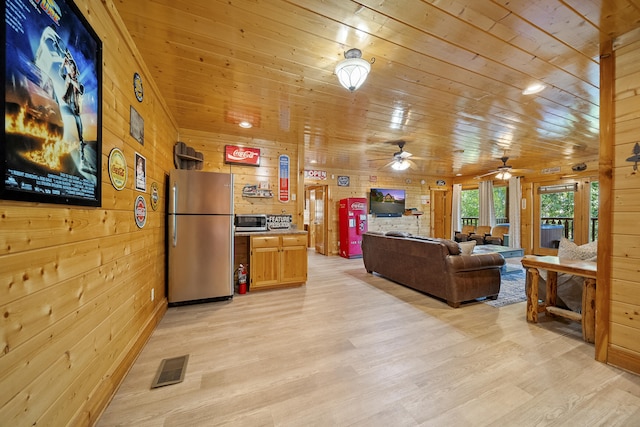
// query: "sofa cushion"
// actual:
[[454, 248]]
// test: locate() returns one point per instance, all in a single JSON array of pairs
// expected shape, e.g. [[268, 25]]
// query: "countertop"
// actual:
[[267, 233]]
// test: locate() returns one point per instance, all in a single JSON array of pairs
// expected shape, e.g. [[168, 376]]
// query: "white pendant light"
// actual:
[[353, 70]]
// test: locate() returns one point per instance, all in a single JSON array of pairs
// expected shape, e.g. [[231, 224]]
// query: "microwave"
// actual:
[[251, 222]]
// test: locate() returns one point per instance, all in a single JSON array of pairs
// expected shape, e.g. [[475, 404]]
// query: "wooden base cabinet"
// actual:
[[278, 261]]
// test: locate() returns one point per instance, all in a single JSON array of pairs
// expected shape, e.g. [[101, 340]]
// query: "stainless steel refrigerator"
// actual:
[[200, 236]]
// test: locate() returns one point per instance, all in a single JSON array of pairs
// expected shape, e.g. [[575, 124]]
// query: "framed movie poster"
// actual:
[[52, 147]]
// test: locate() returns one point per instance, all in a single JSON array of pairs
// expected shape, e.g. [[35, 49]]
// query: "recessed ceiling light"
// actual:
[[533, 89], [245, 124]]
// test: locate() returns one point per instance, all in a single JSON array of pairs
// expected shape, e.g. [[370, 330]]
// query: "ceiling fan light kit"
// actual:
[[400, 165], [353, 70], [504, 171], [505, 175]]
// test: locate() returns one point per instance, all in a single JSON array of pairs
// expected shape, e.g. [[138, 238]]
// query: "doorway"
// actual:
[[316, 210], [566, 209], [438, 214]]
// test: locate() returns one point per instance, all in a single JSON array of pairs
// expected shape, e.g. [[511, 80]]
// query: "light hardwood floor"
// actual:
[[351, 348]]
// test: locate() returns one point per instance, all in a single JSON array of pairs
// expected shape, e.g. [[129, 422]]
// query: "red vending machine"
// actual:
[[352, 216]]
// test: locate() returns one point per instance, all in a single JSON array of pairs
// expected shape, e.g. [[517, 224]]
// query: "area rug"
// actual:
[[511, 289]]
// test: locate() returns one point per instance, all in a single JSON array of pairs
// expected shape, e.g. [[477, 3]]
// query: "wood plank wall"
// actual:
[[360, 184], [212, 147], [624, 322], [75, 282]]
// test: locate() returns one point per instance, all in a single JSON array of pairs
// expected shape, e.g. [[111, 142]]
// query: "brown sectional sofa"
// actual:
[[432, 266]]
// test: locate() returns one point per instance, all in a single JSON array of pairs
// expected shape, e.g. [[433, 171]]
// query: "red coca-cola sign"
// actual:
[[242, 155]]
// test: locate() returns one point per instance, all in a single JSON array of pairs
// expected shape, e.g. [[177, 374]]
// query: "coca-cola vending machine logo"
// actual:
[[358, 206], [242, 155]]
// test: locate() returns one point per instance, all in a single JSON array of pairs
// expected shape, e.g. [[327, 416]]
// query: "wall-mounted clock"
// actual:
[[137, 87]]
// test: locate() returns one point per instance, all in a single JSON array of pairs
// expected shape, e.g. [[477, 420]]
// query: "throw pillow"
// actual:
[[466, 248], [569, 250], [586, 252]]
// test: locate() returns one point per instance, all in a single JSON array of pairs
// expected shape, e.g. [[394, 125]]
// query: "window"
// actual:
[[593, 211], [500, 204], [470, 205]]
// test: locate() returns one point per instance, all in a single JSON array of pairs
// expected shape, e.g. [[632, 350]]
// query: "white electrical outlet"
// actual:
[[153, 294]]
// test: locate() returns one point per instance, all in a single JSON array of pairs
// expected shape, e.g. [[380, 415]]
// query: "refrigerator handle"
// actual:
[[175, 216]]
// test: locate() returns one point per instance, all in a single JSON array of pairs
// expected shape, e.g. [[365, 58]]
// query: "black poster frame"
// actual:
[[52, 68]]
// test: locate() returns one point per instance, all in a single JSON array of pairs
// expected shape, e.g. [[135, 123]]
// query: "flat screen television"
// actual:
[[386, 202]]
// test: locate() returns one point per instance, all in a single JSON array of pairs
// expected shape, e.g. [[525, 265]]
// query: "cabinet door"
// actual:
[[294, 259], [264, 264]]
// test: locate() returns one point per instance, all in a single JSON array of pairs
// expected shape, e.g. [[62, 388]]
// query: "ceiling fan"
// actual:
[[400, 160], [504, 171]]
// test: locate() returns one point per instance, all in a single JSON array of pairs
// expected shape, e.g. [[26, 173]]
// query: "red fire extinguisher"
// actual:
[[242, 279]]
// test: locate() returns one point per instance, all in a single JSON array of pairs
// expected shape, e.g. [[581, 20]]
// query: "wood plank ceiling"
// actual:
[[448, 76]]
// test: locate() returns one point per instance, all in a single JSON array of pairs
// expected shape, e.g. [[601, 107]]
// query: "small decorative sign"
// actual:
[[343, 181], [373, 178], [315, 174], [137, 87], [548, 171], [136, 126], [279, 222], [117, 169], [283, 178], [155, 196], [140, 211], [242, 155], [440, 182], [141, 172]]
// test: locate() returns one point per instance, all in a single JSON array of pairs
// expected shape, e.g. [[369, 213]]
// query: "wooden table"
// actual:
[[555, 265]]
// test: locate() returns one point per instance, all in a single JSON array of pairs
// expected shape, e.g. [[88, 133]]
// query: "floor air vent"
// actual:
[[170, 371]]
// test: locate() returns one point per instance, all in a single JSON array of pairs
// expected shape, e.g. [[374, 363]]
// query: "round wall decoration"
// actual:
[[137, 87], [117, 168], [140, 211], [155, 196]]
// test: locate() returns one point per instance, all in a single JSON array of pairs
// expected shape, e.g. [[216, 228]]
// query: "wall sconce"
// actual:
[[353, 70], [635, 158]]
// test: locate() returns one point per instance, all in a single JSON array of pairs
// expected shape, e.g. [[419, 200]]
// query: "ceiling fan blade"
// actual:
[[387, 165], [486, 174], [404, 154]]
